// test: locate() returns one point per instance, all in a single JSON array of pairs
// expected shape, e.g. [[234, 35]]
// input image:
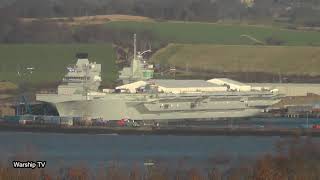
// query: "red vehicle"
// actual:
[[127, 122], [121, 123]]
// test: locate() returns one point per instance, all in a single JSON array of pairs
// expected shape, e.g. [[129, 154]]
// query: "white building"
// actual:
[[291, 89], [186, 86], [232, 84]]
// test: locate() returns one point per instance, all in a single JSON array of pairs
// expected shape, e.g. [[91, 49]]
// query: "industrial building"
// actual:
[[174, 86], [183, 86], [232, 84], [290, 89], [224, 84]]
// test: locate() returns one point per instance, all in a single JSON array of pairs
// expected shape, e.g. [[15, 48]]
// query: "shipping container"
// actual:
[[39, 120], [82, 121], [316, 126], [52, 120], [27, 117], [12, 119], [316, 106], [299, 109], [306, 126], [316, 110], [22, 122], [66, 121], [99, 122], [76, 121], [25, 122], [76, 118]]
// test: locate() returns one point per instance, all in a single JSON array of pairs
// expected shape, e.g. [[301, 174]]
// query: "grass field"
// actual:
[[230, 58], [50, 61], [192, 32]]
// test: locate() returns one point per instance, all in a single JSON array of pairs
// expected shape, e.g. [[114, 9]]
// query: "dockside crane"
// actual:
[[22, 105]]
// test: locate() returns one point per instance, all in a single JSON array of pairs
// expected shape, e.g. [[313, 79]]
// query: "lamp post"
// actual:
[[307, 119]]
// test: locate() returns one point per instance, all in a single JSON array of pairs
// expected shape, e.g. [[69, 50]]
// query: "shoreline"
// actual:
[[162, 131]]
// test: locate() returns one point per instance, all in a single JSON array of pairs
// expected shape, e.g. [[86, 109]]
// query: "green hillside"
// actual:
[[226, 58], [50, 61], [188, 32]]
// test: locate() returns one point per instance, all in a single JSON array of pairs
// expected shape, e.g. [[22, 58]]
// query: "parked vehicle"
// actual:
[[126, 122]]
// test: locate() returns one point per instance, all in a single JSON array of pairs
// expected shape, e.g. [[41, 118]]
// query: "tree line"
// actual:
[[13, 30]]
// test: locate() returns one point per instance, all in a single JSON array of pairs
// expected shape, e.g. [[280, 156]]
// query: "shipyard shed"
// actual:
[[232, 84], [184, 86], [291, 89], [299, 108]]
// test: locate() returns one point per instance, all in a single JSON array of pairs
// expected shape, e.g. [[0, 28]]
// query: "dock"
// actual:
[[162, 131]]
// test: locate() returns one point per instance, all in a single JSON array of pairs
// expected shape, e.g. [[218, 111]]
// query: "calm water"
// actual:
[[126, 150], [261, 122]]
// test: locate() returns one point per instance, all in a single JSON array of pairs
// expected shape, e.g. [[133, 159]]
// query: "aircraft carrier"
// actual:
[[143, 98]]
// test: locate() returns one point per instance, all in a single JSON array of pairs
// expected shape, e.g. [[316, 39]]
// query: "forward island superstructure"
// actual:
[[144, 98]]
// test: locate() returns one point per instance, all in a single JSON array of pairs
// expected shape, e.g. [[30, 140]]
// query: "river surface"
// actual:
[[273, 123], [95, 150]]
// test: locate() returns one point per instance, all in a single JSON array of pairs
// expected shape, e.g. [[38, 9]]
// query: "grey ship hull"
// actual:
[[140, 107], [78, 96]]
